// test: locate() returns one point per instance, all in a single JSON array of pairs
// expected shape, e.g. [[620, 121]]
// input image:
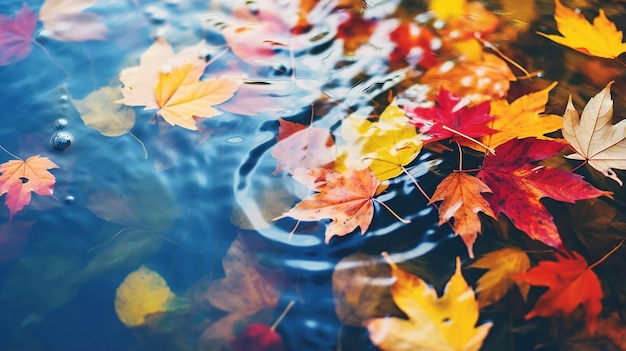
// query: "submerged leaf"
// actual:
[[16, 35], [99, 111], [66, 20], [143, 292]]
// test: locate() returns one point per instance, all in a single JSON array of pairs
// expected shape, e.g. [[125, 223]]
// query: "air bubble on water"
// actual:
[[64, 99], [60, 123], [62, 140], [235, 140], [69, 199]]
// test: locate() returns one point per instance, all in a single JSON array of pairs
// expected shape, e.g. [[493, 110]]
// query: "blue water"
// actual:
[[57, 292]]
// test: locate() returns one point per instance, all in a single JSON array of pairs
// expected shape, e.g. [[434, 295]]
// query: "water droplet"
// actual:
[[60, 123], [62, 140], [64, 99], [43, 35], [69, 199]]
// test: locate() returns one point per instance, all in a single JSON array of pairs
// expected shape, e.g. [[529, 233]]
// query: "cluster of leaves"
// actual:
[[461, 96]]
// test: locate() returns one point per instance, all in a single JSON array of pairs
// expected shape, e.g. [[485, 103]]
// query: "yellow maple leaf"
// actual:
[[594, 137], [386, 146], [520, 119], [501, 265], [143, 292], [447, 323], [181, 96], [447, 9], [601, 39]]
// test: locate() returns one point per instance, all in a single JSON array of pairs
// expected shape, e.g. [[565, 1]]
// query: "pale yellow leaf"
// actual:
[[99, 111], [65, 20], [594, 137], [501, 265], [182, 96]]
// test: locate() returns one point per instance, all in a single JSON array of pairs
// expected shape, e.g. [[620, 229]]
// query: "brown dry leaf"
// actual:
[[594, 137], [362, 289], [246, 289], [66, 21]]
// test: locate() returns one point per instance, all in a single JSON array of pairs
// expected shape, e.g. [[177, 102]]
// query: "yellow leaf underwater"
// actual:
[[447, 323], [143, 292], [601, 39], [99, 111], [501, 265]]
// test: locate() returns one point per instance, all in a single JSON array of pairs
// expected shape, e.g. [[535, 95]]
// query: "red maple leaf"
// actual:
[[450, 118], [302, 147], [16, 35], [570, 282], [517, 186], [414, 44]]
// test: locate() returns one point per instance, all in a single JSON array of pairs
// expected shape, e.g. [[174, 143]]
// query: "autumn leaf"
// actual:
[[501, 265], [66, 20], [346, 198], [385, 146], [140, 81], [521, 119], [182, 97], [246, 289], [144, 292], [302, 147], [414, 44], [20, 177], [451, 118], [446, 323], [362, 289], [601, 39], [258, 337], [517, 186], [594, 137], [16, 35], [476, 81], [461, 198], [99, 112], [570, 282], [446, 9], [13, 237]]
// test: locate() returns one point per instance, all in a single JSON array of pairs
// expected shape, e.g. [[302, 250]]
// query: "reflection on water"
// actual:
[[179, 209]]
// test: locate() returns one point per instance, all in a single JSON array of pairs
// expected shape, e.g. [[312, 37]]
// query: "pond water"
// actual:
[[174, 200]]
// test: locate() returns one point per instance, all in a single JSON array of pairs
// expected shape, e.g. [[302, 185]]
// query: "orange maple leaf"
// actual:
[[462, 200], [346, 198], [601, 39], [181, 96], [20, 177], [570, 283]]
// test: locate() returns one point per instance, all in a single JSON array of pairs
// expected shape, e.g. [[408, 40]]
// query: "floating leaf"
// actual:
[[66, 20], [501, 265], [601, 39], [18, 178], [594, 137], [461, 198], [435, 323], [570, 283]]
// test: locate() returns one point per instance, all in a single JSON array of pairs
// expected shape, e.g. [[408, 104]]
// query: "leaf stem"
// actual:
[[492, 151], [110, 239], [578, 167], [282, 315], [607, 255], [419, 187], [11, 154], [143, 146], [501, 54], [460, 156], [405, 221]]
